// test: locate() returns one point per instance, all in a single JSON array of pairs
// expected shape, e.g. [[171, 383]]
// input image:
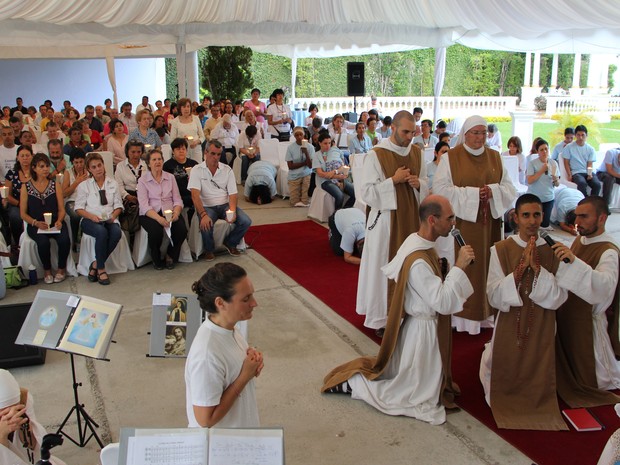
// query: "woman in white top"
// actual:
[[220, 367], [188, 126], [515, 149], [98, 202], [116, 141], [431, 166]]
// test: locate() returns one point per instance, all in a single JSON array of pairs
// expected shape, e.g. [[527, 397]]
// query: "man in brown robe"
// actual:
[[517, 369], [472, 177], [411, 375], [587, 335]]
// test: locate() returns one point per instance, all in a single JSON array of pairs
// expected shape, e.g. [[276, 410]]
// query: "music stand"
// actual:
[[81, 415]]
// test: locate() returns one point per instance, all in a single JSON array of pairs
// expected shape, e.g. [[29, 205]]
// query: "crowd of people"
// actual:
[[431, 248]]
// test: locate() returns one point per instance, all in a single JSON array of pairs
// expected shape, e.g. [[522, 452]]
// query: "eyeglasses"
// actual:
[[217, 185], [478, 133]]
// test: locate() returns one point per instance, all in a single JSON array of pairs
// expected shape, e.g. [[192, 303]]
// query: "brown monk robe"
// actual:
[[477, 171], [400, 225], [576, 372], [523, 385]]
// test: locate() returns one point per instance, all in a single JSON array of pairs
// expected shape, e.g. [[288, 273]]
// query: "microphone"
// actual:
[[456, 233], [550, 242]]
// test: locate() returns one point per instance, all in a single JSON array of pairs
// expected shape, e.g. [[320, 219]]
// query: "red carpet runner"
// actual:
[[301, 250]]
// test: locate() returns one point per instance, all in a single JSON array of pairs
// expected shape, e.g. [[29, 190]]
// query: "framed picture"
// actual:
[[90, 328], [174, 322], [46, 319], [175, 342]]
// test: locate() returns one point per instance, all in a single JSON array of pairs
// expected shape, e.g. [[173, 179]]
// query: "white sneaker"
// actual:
[[300, 204]]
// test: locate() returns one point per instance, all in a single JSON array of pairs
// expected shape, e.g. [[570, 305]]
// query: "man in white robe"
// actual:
[[595, 283], [379, 194], [411, 382], [469, 203]]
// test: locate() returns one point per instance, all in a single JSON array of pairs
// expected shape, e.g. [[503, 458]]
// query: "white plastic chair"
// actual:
[[29, 255], [322, 205], [108, 162], [119, 260], [222, 229], [141, 254], [357, 162], [166, 151], [512, 167], [269, 151], [282, 176], [614, 198], [109, 454]]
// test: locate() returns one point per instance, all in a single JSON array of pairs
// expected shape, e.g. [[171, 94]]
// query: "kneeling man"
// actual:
[[411, 375]]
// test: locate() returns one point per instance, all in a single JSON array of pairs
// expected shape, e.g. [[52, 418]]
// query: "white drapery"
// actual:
[[440, 74]]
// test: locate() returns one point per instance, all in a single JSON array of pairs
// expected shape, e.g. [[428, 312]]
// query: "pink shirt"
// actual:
[[158, 196], [248, 105]]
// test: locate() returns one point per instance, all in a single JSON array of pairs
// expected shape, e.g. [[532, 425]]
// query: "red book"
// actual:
[[582, 419]]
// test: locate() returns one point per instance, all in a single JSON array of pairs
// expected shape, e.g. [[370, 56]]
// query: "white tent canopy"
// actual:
[[303, 28]]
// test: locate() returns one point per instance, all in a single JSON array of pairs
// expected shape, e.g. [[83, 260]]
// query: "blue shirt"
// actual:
[[359, 146], [543, 187], [261, 173], [320, 160], [152, 138], [565, 201], [351, 224], [579, 157], [294, 154], [612, 157]]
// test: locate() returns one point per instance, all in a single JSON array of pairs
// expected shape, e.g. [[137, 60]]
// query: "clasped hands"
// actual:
[[11, 419], [529, 256], [403, 174], [253, 363], [486, 193]]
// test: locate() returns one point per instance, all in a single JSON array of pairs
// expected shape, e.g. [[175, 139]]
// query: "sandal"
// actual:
[[92, 273], [60, 277], [103, 281]]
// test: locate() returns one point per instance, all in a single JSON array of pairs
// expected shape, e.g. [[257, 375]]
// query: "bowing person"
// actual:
[[160, 209]]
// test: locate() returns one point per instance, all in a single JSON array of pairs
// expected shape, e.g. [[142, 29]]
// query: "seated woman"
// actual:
[[144, 133], [158, 193], [21, 435], [180, 166], [326, 164], [221, 367], [38, 197], [14, 179], [98, 202], [74, 176], [247, 143], [161, 128], [116, 140]]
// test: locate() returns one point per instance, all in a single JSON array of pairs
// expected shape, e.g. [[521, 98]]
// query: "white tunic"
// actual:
[[597, 286], [502, 293], [411, 382], [465, 202], [379, 194]]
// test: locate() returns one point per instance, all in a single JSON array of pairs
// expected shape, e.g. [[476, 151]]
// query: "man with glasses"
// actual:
[[475, 182], [214, 194]]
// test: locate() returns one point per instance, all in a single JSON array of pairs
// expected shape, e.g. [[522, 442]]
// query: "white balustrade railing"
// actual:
[[578, 104], [449, 107]]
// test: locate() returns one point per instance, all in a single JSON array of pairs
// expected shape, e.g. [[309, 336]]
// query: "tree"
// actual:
[[225, 71]]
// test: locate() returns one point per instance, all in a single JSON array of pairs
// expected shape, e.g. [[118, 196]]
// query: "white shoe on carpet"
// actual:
[[301, 204]]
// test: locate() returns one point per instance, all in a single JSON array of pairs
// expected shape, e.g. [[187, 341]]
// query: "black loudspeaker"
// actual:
[[11, 355], [355, 79]]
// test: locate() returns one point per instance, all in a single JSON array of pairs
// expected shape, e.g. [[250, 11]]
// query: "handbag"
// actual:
[[283, 136], [14, 277]]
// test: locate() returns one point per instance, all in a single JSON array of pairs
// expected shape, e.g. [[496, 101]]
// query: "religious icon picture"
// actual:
[[177, 311], [90, 328], [174, 344]]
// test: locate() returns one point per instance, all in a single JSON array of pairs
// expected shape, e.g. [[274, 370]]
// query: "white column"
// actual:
[[523, 126], [181, 68], [528, 69], [193, 87], [554, 73], [575, 89], [293, 79], [536, 76]]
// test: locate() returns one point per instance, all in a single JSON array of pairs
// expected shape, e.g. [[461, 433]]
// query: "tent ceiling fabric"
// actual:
[[303, 28]]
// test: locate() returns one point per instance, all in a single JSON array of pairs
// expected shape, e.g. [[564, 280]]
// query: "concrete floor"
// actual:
[[302, 340]]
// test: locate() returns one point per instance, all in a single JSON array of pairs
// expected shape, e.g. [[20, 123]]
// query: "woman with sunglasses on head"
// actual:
[[98, 202]]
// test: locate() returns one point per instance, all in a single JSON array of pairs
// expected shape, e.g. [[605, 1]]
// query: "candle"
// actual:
[[48, 218], [229, 215], [4, 192], [345, 170], [188, 169], [168, 215], [304, 142], [190, 138]]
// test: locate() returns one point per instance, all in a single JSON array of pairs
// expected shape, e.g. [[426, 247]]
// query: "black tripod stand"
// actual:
[[84, 422]]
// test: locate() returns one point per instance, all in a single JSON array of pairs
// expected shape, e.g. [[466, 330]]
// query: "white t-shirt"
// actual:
[[8, 157], [214, 189], [277, 112], [214, 363]]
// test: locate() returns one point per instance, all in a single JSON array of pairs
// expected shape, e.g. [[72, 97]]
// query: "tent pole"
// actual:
[[293, 78]]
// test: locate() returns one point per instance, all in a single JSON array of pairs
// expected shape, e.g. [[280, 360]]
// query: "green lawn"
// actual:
[[609, 132]]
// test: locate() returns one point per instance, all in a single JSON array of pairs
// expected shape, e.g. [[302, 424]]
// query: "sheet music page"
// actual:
[[184, 449], [246, 447]]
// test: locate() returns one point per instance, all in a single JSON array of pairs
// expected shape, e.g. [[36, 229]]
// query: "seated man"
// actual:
[[8, 151], [59, 162], [226, 132], [412, 374], [587, 324], [347, 230], [578, 157], [21, 435], [569, 135], [76, 141], [212, 121], [386, 128], [609, 172], [563, 212], [517, 369], [53, 132], [299, 160], [214, 193], [260, 185]]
